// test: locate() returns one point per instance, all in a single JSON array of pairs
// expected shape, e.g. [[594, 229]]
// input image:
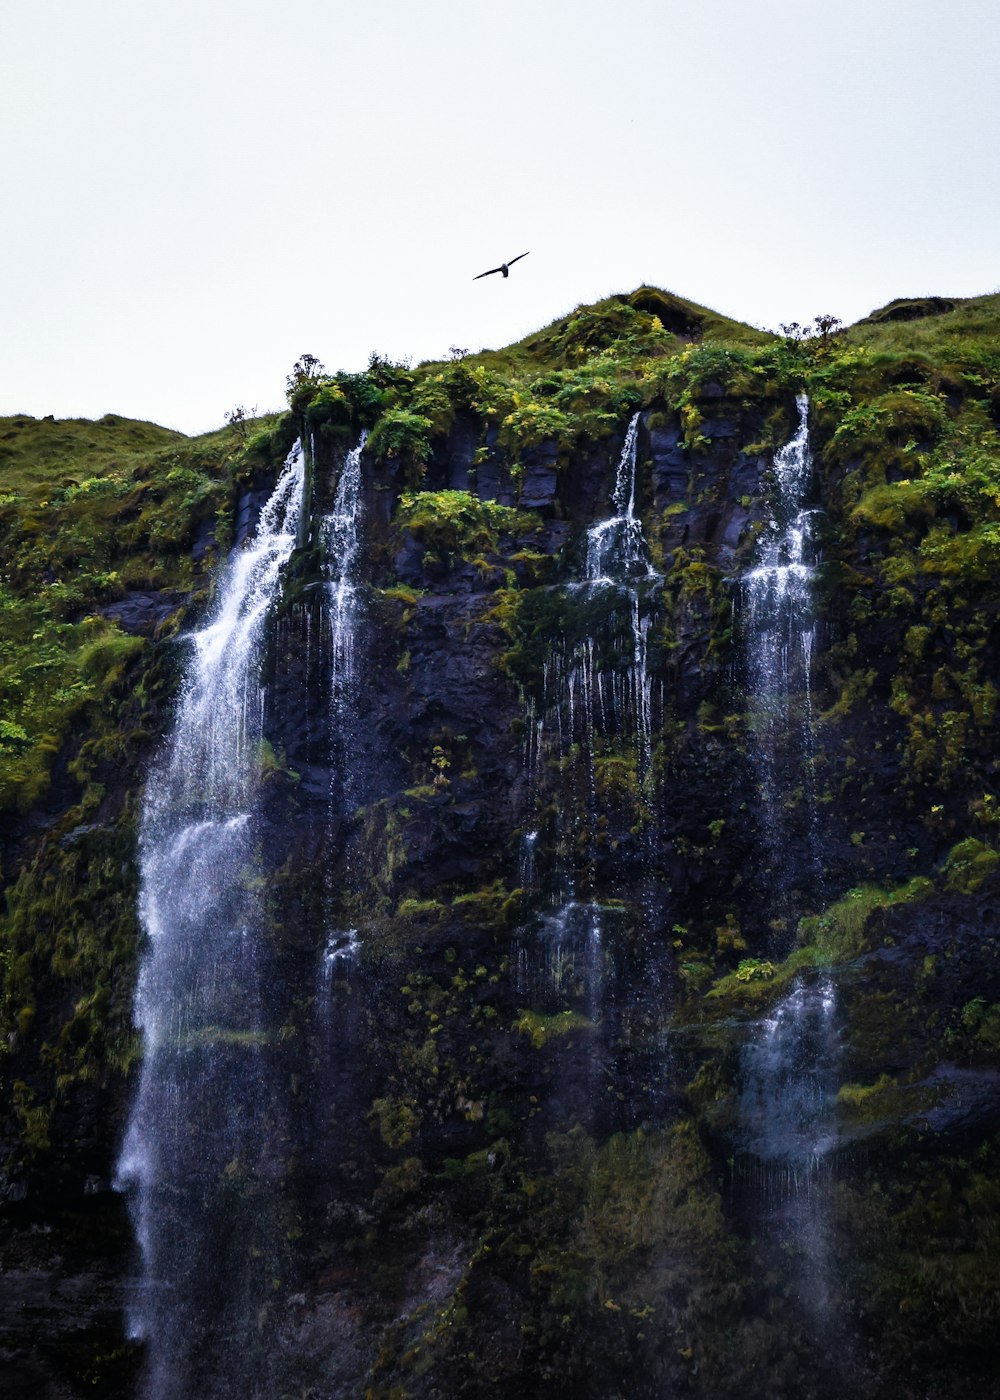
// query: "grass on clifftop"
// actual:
[[88, 512]]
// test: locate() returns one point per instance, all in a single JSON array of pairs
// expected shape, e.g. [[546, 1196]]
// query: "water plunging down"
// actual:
[[341, 543], [588, 735], [571, 943], [788, 1086], [596, 698], [780, 628], [204, 1120], [789, 1065], [617, 554], [616, 549]]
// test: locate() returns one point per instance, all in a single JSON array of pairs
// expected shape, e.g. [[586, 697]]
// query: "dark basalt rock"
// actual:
[[248, 509], [671, 467], [539, 483], [141, 613], [504, 1155]]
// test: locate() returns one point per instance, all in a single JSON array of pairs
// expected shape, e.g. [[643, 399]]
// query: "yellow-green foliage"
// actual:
[[541, 1029], [647, 1229], [450, 522], [899, 420], [963, 338], [958, 480], [49, 672], [755, 970], [885, 1101], [89, 510], [530, 422], [578, 378], [69, 935], [404, 436], [839, 932], [395, 1120], [836, 935], [968, 864]]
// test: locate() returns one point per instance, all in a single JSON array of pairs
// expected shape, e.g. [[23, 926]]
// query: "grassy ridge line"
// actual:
[[91, 512]]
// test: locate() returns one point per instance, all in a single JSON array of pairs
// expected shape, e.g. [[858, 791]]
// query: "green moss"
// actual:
[[396, 1121], [868, 1102], [420, 908], [92, 510], [404, 436], [838, 934], [754, 970], [969, 864], [457, 522], [541, 1029], [492, 907]]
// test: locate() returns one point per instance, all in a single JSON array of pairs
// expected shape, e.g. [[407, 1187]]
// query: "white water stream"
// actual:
[[780, 629], [202, 1107], [789, 1063]]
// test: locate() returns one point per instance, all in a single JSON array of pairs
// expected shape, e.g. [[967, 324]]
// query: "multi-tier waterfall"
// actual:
[[780, 628], [340, 540], [205, 1123], [597, 692], [789, 1063], [617, 554], [589, 734]]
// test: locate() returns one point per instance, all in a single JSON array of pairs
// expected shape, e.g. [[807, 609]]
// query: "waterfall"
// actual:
[[339, 535], [616, 549], [341, 543], [595, 705], [589, 735], [199, 1154], [617, 554], [780, 631], [788, 1086], [788, 1071]]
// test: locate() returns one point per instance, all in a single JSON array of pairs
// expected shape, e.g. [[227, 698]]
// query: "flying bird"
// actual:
[[504, 267]]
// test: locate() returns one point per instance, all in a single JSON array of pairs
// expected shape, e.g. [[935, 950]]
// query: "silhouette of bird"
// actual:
[[504, 267]]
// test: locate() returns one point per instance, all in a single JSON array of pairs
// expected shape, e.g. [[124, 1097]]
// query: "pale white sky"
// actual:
[[197, 191]]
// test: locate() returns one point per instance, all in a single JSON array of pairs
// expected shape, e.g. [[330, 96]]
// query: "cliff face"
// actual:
[[632, 1011]]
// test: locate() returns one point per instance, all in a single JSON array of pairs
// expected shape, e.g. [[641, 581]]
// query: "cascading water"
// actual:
[[340, 540], [789, 1064], [780, 627], [592, 705], [617, 554], [200, 1152], [616, 549], [589, 732], [341, 543], [788, 1086]]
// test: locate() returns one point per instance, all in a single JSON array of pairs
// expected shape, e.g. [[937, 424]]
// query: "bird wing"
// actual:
[[518, 258], [488, 274]]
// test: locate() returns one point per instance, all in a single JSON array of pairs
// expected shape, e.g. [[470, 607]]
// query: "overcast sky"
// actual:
[[198, 191]]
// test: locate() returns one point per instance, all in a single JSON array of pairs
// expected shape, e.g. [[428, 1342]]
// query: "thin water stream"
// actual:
[[788, 1071], [780, 631], [592, 722]]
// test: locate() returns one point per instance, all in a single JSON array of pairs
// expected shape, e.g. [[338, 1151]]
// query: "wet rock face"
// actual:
[[141, 613], [496, 879]]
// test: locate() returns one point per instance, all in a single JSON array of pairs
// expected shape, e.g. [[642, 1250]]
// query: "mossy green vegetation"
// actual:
[[572, 382], [457, 522], [531, 1174], [541, 1029], [90, 512]]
